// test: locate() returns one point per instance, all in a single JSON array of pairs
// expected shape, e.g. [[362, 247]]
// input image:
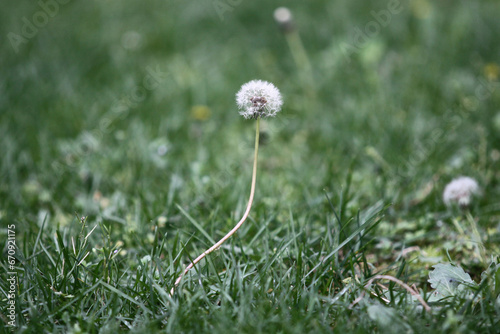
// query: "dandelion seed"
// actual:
[[200, 112], [259, 98], [460, 190]]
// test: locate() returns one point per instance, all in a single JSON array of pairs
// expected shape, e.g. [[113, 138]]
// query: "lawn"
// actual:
[[123, 158]]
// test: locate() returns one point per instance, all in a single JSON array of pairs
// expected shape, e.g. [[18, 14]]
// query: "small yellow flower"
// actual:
[[421, 8], [491, 71], [200, 112]]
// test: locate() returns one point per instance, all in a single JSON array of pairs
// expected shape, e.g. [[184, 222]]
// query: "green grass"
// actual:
[[115, 179]]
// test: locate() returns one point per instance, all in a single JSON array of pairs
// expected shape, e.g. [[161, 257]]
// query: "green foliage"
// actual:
[[449, 280], [123, 112]]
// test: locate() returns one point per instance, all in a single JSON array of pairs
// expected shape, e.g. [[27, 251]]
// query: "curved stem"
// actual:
[[395, 280], [242, 220]]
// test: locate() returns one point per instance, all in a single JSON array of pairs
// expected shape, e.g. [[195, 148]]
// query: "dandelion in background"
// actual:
[[460, 190], [284, 18], [256, 99], [286, 23]]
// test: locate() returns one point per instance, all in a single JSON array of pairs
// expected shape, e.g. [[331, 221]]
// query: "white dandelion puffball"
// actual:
[[259, 98], [460, 190], [283, 16]]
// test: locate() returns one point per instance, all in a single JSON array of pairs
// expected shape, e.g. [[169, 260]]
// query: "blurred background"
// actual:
[[109, 104]]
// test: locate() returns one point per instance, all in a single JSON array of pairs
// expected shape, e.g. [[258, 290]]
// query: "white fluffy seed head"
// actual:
[[283, 16], [258, 98], [460, 190]]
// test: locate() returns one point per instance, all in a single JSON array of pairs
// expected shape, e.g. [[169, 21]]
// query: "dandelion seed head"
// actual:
[[283, 16], [162, 150], [460, 190], [259, 98]]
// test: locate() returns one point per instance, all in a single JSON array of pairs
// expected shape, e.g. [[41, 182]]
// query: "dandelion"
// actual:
[[256, 99], [283, 16], [286, 23], [460, 190]]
